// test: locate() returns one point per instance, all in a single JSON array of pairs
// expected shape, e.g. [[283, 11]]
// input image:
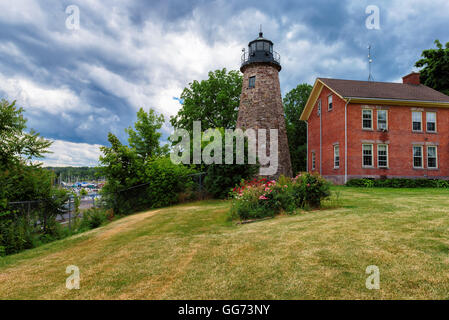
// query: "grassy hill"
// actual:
[[191, 251]]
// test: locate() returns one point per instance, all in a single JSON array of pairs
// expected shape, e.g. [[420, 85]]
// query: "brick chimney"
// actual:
[[412, 78]]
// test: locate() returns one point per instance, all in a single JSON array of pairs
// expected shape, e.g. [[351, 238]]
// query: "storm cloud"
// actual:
[[78, 85]]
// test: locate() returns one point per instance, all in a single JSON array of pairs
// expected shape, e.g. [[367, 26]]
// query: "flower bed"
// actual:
[[262, 198]]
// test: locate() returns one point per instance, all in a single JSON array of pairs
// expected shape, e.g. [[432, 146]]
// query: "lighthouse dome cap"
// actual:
[[260, 38]]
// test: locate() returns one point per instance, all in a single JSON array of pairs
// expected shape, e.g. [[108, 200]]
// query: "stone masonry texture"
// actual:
[[261, 108]]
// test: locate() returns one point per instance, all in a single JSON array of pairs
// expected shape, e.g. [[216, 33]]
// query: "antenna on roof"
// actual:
[[370, 61], [260, 31]]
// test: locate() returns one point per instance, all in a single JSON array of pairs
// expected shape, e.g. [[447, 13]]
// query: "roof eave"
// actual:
[[422, 103], [314, 95]]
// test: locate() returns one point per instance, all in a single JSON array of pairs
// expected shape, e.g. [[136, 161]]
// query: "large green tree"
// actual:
[[294, 103], [17, 145], [144, 138], [435, 64], [214, 101], [21, 180], [141, 175]]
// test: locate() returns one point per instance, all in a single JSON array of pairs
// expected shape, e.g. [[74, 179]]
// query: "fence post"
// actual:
[[201, 187], [70, 213], [29, 209]]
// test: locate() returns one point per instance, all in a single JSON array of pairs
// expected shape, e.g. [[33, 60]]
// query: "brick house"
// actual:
[[361, 129]]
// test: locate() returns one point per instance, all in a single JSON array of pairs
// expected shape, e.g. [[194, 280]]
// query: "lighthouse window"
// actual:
[[253, 47], [259, 45], [266, 46], [252, 82]]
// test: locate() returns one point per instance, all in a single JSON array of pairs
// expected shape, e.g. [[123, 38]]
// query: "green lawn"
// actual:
[[191, 251]]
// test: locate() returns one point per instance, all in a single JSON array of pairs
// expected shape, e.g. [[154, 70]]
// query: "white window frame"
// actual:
[[436, 157], [427, 121], [319, 108], [422, 156], [378, 156], [386, 119], [372, 156], [420, 112], [371, 112], [313, 161], [330, 103], [336, 148]]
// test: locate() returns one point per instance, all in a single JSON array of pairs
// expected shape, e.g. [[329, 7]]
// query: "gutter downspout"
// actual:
[[321, 143], [346, 140], [307, 146]]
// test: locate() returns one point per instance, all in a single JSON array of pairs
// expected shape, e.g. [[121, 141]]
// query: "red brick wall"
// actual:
[[332, 127], [399, 138]]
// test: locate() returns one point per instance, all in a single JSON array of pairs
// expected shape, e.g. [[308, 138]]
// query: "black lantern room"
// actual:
[[260, 50]]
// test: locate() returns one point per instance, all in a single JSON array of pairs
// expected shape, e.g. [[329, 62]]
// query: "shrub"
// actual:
[[159, 184], [222, 177], [262, 198], [93, 218], [398, 183]]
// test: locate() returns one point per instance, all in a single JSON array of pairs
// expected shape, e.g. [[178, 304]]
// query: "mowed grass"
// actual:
[[192, 251]]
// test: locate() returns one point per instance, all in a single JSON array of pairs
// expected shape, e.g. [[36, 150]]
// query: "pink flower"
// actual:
[[308, 184], [285, 186], [267, 189], [263, 197]]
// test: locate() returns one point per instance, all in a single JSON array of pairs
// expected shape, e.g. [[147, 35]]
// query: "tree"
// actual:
[[214, 102], [16, 145], [121, 165], [435, 63], [294, 103], [20, 180], [145, 138], [140, 175]]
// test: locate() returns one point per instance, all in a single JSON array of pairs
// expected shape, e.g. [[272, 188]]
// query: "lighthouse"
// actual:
[[261, 101]]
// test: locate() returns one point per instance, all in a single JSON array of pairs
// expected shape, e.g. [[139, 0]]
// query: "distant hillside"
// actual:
[[74, 173]]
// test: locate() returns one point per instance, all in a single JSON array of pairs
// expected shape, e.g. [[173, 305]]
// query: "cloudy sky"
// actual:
[[76, 85]]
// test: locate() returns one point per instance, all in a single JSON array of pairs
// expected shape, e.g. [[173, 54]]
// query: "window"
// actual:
[[431, 119], [367, 119], [417, 156], [432, 161], [252, 82], [319, 108], [382, 120], [329, 102], [416, 121], [367, 155], [336, 156], [253, 47], [266, 46], [382, 156], [313, 161]]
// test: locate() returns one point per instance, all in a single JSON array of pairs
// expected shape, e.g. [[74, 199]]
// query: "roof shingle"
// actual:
[[384, 90]]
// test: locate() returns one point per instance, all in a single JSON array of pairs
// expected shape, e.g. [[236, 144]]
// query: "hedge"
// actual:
[[398, 183]]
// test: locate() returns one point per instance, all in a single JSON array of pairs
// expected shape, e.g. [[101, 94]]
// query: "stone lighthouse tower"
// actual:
[[261, 101]]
